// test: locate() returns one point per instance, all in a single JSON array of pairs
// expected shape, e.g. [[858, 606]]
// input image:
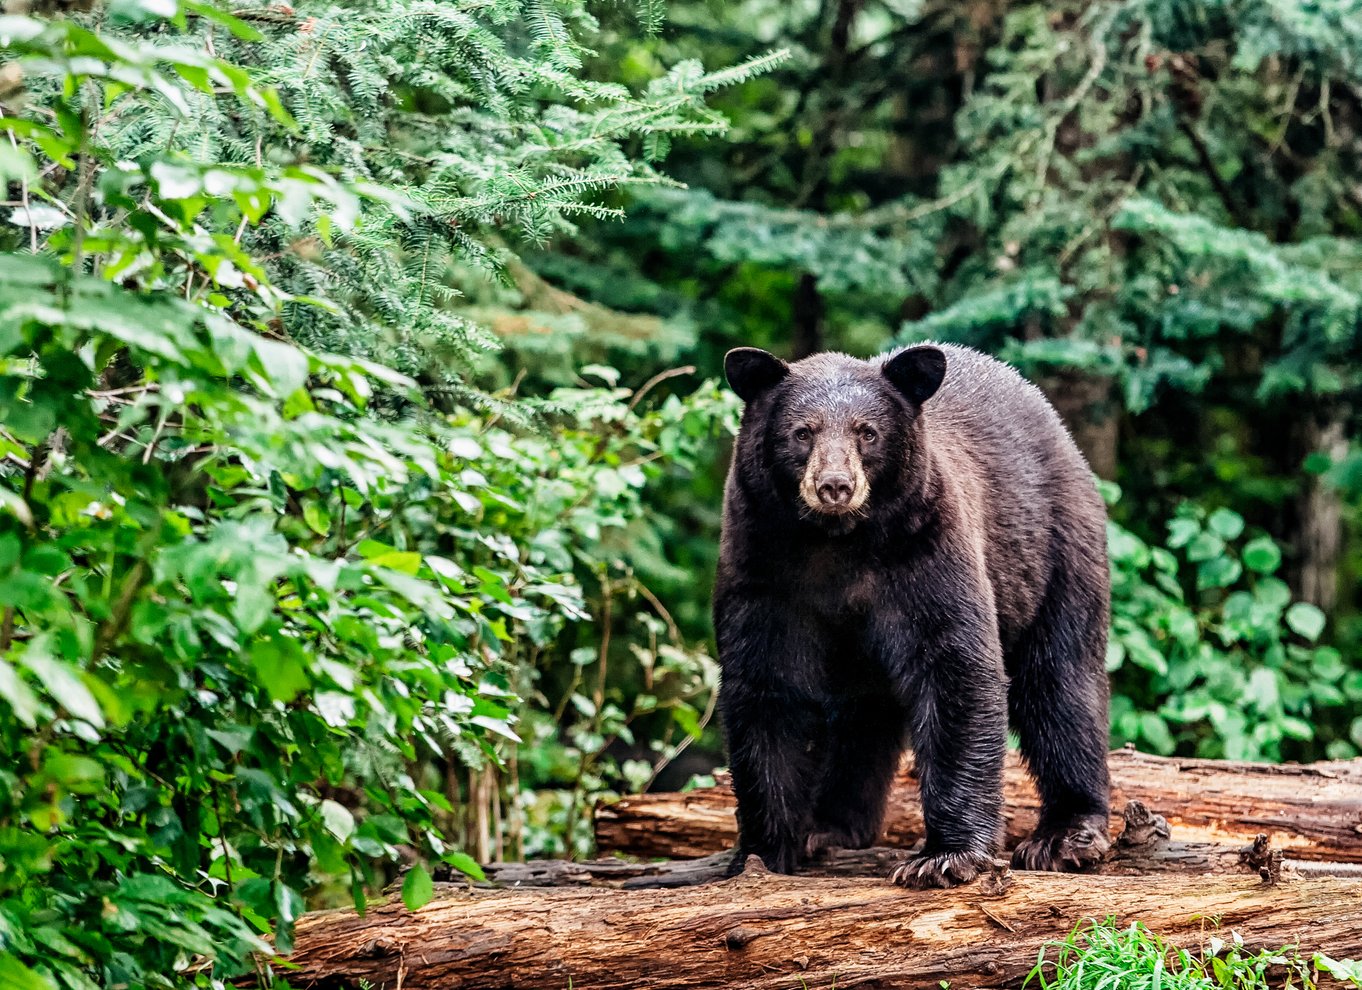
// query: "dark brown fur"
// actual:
[[969, 584]]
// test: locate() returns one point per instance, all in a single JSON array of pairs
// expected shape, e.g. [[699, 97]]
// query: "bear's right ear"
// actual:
[[916, 372], [751, 371]]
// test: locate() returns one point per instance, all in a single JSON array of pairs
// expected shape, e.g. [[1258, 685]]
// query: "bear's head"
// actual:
[[833, 431]]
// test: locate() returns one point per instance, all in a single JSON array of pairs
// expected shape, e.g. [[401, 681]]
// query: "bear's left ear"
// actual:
[[916, 372], [751, 371]]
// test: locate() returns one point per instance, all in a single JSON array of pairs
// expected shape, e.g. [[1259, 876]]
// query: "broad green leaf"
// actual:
[[63, 682], [1155, 731], [1206, 546], [417, 888], [1226, 523], [1262, 555], [79, 774], [1218, 572], [403, 561], [466, 865], [317, 518], [279, 668], [1306, 620], [18, 695], [14, 975], [338, 819]]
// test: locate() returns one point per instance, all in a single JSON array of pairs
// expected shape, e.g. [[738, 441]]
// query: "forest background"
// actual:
[[362, 434]]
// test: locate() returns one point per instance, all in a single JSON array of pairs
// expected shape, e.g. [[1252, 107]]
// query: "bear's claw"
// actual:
[[1081, 846], [944, 869]]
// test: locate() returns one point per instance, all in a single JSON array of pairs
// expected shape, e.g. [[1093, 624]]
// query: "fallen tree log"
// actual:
[[1201, 858], [769, 932], [1141, 848], [1310, 812]]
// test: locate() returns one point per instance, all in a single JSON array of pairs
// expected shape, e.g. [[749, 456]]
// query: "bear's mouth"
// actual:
[[828, 511], [836, 524], [835, 520]]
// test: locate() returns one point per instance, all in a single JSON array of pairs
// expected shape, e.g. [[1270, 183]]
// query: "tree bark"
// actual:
[[1090, 409], [1310, 812], [768, 932], [807, 333], [1321, 510]]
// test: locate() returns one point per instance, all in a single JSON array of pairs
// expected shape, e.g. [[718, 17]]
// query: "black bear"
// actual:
[[913, 551]]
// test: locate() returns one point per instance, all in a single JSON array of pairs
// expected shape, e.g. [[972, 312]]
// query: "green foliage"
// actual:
[[1208, 652], [262, 603], [353, 512], [1100, 954], [1149, 208]]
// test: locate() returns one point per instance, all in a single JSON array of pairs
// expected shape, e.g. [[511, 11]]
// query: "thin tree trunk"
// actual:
[[1321, 512], [1089, 409], [807, 336], [478, 793]]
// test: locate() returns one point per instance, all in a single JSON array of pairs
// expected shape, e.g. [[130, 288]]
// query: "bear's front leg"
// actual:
[[769, 698], [959, 732], [774, 743]]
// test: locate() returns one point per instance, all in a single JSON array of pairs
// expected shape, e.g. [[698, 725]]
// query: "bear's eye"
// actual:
[[868, 434], [803, 434]]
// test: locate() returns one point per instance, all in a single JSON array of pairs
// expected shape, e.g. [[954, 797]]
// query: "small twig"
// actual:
[[1327, 117], [607, 592], [672, 628], [1222, 189], [222, 838], [316, 50], [996, 920], [510, 394], [1085, 85], [690, 738], [155, 438], [1287, 108], [598, 696], [23, 197], [118, 618], [658, 379], [108, 392], [259, 163], [1131, 185]]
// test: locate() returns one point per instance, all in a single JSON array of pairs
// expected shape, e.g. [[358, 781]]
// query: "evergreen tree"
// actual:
[[1148, 207]]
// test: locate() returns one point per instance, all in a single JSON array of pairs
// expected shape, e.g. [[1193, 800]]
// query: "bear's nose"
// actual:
[[834, 489]]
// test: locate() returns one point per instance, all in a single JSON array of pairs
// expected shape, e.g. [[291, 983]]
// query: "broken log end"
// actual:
[[1144, 829]]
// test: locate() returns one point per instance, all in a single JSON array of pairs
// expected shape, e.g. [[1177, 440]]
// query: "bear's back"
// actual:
[[986, 408], [1018, 479]]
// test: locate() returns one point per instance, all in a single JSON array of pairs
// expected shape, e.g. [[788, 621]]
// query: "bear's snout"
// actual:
[[834, 482], [835, 489]]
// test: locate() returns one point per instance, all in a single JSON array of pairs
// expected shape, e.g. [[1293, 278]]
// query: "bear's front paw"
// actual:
[[1072, 849], [942, 869]]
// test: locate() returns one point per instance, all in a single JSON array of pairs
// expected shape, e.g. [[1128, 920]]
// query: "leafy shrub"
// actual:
[[259, 602], [1209, 654]]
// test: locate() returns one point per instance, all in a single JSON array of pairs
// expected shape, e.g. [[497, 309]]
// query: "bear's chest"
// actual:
[[835, 584]]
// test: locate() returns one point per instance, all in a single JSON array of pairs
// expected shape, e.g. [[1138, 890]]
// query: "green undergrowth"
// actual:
[[1103, 956]]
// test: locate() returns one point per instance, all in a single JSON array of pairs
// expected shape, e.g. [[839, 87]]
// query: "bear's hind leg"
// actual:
[[1058, 705], [865, 745]]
